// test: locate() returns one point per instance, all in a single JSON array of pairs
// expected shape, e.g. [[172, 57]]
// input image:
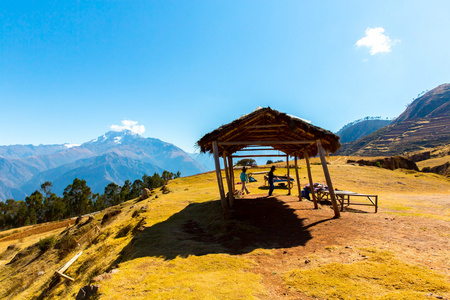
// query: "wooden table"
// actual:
[[345, 196]]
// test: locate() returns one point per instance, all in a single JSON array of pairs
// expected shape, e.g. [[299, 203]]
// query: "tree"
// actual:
[[166, 176], [46, 187], [112, 194], [78, 197], [136, 188], [269, 162], [54, 208], [247, 162], [125, 191], [35, 205], [99, 202]]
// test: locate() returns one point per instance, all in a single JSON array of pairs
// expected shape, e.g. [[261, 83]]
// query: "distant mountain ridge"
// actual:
[[424, 124], [113, 157], [361, 128]]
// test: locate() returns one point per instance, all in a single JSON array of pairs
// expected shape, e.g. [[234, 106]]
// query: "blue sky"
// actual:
[[69, 70]]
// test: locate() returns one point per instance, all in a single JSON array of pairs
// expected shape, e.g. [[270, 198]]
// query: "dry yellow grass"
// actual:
[[183, 251], [379, 276]]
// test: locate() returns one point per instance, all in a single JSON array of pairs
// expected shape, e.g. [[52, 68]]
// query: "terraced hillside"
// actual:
[[424, 124]]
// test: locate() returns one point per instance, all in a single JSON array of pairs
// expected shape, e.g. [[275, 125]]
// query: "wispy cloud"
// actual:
[[377, 41], [129, 125]]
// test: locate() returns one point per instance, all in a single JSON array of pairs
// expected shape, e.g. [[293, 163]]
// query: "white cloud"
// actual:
[[129, 125], [71, 145], [377, 41]]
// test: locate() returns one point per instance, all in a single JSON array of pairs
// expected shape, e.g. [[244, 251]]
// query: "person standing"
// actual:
[[244, 180], [271, 185]]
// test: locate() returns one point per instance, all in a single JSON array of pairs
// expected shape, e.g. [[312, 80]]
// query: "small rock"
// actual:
[[439, 297], [348, 247], [41, 273], [87, 291], [307, 261]]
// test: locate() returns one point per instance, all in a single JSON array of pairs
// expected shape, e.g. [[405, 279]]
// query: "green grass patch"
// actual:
[[380, 276]]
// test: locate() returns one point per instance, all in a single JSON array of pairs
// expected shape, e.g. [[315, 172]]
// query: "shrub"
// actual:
[[66, 245], [46, 243], [426, 169], [378, 164]]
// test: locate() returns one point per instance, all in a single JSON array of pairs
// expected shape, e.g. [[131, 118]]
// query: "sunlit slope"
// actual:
[[177, 245]]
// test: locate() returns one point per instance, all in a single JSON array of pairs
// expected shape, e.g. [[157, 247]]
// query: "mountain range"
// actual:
[[360, 128], [120, 155], [424, 124], [112, 157]]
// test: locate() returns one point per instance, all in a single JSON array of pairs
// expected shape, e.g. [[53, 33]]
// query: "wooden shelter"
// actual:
[[266, 127]]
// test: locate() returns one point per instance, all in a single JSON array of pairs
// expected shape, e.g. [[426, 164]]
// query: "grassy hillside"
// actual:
[[176, 244]]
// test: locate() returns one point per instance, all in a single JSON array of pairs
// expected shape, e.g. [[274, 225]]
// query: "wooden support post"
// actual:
[[219, 177], [227, 175], [230, 166], [311, 183], [288, 176], [328, 179], [298, 180]]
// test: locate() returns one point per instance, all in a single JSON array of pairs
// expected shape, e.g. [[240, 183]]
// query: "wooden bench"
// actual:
[[345, 196], [280, 180]]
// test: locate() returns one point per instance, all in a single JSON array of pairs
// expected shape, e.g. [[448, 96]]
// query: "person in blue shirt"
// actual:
[[244, 180]]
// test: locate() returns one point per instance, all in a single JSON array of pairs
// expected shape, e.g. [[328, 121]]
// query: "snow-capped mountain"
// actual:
[[113, 157]]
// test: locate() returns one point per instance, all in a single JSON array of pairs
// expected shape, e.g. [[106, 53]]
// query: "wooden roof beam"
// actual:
[[265, 126], [265, 143], [260, 155]]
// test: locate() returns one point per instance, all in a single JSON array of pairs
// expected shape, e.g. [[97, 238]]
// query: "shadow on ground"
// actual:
[[277, 187], [200, 229]]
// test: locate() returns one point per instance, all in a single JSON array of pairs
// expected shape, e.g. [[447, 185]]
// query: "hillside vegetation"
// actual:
[[424, 124], [177, 245]]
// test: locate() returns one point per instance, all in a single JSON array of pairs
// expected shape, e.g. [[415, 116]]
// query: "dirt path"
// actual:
[[416, 240], [38, 229]]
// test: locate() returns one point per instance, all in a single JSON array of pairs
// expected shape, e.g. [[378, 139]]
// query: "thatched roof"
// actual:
[[268, 127]]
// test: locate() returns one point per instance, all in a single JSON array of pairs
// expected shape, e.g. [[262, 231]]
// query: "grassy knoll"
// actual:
[[177, 245]]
